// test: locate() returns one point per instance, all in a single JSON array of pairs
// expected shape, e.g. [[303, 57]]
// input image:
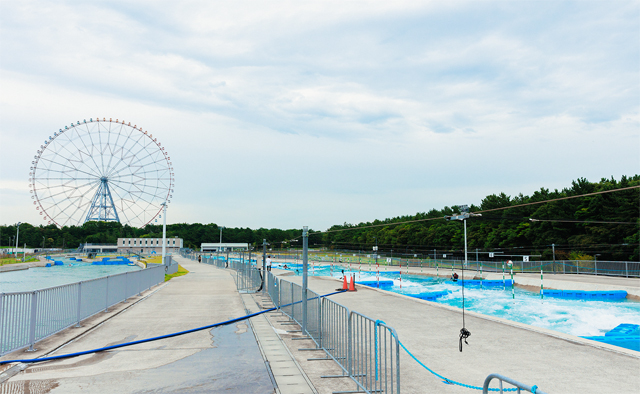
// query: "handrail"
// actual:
[[520, 386]]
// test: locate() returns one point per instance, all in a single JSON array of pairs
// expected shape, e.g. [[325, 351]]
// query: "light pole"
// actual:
[[17, 236], [464, 215], [164, 231], [221, 236], [595, 263]]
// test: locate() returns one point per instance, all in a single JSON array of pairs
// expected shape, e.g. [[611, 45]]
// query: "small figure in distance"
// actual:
[[454, 277], [199, 258], [268, 263], [285, 267]]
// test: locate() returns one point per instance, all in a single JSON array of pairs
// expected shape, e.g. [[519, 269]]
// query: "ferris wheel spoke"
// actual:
[[53, 195], [69, 167], [90, 150], [137, 184], [140, 192], [75, 202], [76, 206], [141, 187], [72, 154], [127, 165]]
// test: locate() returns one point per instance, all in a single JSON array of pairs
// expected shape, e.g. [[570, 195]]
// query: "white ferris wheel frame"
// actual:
[[101, 170]]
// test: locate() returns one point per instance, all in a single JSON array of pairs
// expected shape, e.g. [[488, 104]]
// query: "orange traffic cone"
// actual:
[[352, 285], [345, 285]]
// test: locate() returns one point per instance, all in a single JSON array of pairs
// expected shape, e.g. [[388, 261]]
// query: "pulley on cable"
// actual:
[[464, 215]]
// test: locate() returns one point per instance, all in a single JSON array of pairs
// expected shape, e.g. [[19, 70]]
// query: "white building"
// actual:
[[222, 247], [148, 245]]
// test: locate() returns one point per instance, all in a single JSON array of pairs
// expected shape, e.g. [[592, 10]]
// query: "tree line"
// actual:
[[602, 226]]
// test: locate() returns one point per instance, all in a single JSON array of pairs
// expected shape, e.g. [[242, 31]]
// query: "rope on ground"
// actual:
[[445, 380], [175, 334]]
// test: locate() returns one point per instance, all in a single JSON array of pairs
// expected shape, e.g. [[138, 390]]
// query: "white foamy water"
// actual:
[[576, 317]]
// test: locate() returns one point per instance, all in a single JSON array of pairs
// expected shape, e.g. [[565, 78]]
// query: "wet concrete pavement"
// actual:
[[225, 359]]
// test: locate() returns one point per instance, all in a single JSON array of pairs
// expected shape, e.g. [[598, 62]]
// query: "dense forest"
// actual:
[[605, 226]]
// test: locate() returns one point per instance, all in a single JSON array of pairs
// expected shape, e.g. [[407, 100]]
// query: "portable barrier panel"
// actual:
[[366, 350], [374, 356], [335, 332]]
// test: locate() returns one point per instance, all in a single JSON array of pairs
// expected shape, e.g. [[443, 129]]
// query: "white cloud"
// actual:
[[324, 112]]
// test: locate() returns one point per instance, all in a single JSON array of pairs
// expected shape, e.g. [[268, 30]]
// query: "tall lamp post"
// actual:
[[464, 215], [17, 235], [221, 228]]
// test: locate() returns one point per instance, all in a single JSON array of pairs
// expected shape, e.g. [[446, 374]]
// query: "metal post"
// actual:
[[164, 232], [79, 304], [477, 263], [626, 268], [465, 242], [264, 264], [32, 327], [305, 263], [17, 236], [106, 297]]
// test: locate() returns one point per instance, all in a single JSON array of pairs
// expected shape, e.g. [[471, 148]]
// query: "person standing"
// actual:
[[268, 263]]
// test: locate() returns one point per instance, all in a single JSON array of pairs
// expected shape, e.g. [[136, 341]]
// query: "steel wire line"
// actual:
[[485, 210]]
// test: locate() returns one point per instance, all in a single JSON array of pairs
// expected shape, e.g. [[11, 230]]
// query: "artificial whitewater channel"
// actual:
[[579, 317], [71, 271]]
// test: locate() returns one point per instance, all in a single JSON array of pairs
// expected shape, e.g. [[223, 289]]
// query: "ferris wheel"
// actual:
[[101, 170]]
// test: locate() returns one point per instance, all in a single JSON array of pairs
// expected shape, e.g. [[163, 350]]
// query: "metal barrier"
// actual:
[[27, 317], [518, 385], [366, 350], [248, 278]]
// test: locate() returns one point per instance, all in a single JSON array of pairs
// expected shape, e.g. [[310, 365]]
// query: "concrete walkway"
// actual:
[[225, 359], [556, 362]]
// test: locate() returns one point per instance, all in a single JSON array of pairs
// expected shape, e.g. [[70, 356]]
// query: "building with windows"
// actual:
[[148, 245], [223, 247]]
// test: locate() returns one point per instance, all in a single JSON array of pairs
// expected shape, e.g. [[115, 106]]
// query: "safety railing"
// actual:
[[519, 386], [27, 317], [366, 350], [248, 277]]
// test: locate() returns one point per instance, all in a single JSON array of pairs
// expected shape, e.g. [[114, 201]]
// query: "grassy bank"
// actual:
[[181, 271]]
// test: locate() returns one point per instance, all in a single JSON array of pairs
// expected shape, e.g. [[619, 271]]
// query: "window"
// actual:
[[145, 241], [129, 242], [134, 241], [174, 241], [123, 242]]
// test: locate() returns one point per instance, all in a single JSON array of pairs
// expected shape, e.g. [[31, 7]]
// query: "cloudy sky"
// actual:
[[292, 113]]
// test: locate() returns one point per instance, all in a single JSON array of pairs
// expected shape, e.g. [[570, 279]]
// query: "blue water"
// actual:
[[575, 317], [56, 275]]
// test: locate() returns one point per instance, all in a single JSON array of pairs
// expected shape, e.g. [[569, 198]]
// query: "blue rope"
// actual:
[[445, 380], [175, 334]]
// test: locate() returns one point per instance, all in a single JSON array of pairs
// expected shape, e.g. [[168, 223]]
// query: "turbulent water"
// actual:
[[576, 317]]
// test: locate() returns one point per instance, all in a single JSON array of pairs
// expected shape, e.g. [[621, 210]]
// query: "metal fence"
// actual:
[[627, 269], [248, 277], [366, 350], [27, 317]]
